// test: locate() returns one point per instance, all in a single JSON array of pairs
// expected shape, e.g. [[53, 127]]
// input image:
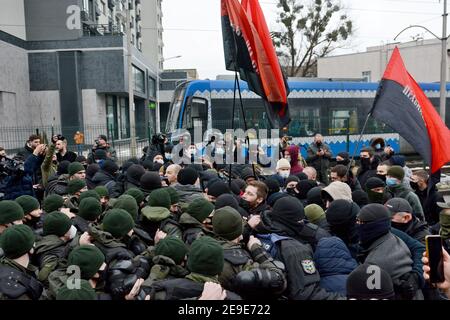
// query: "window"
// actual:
[[305, 119], [367, 76], [139, 82], [343, 122], [111, 116], [124, 118], [152, 87]]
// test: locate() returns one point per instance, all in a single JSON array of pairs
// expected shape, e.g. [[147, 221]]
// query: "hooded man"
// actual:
[[335, 191], [188, 186], [376, 190], [369, 165]]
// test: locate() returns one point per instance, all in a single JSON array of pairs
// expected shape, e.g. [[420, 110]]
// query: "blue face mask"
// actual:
[[378, 146], [391, 182]]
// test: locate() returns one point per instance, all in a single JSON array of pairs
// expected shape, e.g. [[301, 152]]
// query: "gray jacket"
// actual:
[[188, 192]]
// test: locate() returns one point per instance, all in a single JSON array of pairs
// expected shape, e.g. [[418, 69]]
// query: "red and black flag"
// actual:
[[403, 106], [249, 50]]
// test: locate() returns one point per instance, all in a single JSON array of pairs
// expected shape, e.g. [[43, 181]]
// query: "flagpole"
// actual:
[[359, 141], [236, 80]]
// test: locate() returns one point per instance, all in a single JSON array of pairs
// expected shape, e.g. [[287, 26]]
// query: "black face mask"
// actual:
[[291, 191], [382, 177], [400, 226], [33, 222], [244, 204], [343, 162], [414, 185], [365, 163]]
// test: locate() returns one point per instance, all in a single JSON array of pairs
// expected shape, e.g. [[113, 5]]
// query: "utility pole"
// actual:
[[443, 89], [133, 145], [157, 111]]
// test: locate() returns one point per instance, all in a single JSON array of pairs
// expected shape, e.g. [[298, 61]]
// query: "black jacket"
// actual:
[[303, 278], [428, 199], [69, 156], [102, 178]]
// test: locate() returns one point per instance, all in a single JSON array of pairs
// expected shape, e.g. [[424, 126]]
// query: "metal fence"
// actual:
[[13, 139]]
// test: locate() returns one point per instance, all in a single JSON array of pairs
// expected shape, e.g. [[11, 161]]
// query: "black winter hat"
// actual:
[[147, 164], [63, 167], [358, 279], [360, 197], [272, 185], [187, 176], [110, 167], [134, 173], [344, 155], [150, 181], [238, 185], [398, 205], [303, 188], [274, 197], [374, 212], [80, 159], [91, 170], [100, 154], [373, 183], [314, 196], [218, 188], [291, 179], [247, 173], [289, 208], [341, 212], [229, 200]]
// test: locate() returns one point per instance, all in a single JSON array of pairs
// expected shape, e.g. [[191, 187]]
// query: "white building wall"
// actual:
[[12, 18], [94, 108], [422, 59], [45, 108]]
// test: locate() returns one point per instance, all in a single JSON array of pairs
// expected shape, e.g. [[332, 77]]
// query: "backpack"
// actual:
[[269, 241]]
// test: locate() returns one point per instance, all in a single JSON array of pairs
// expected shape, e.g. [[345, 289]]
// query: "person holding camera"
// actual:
[[319, 155], [101, 143]]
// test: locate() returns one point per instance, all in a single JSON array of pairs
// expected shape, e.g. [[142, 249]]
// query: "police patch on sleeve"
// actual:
[[308, 266]]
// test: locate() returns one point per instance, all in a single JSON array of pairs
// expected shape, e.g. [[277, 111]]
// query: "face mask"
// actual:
[[168, 156], [391, 182], [368, 232], [160, 161], [33, 221], [382, 177], [375, 197], [414, 185], [378, 146], [72, 232], [284, 174], [288, 158], [343, 162], [365, 162], [400, 226], [291, 191]]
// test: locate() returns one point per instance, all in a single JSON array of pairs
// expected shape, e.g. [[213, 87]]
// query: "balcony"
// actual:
[[92, 30]]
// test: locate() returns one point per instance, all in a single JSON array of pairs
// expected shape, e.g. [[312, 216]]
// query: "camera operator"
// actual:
[[319, 155], [101, 143], [159, 141]]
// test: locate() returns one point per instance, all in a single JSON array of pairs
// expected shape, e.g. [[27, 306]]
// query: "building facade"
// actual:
[[422, 59], [63, 63]]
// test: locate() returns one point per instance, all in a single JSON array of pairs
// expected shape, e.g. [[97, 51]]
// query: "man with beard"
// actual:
[[368, 167], [425, 189], [254, 198], [61, 151], [340, 173], [32, 212], [404, 220], [319, 155]]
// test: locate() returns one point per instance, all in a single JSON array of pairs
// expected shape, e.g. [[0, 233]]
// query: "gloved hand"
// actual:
[[407, 285]]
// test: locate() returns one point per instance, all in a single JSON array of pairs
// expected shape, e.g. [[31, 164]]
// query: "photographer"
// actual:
[[319, 155], [101, 143], [159, 141]]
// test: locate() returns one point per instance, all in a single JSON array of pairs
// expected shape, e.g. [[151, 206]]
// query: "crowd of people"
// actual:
[[321, 228]]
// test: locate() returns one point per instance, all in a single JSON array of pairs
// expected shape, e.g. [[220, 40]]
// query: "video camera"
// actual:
[[10, 167], [158, 138]]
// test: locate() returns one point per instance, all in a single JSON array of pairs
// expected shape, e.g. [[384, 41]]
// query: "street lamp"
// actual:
[[443, 81], [158, 122]]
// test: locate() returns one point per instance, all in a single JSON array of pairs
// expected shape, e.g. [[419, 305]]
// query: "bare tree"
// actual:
[[308, 33]]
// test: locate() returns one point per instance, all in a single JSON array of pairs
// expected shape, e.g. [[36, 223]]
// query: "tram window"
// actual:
[[343, 122], [305, 121]]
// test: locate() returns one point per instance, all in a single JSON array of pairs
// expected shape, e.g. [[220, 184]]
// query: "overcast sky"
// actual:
[[192, 28]]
